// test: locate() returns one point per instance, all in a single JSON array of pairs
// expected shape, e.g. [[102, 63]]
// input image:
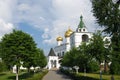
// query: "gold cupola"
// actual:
[[68, 33], [59, 38]]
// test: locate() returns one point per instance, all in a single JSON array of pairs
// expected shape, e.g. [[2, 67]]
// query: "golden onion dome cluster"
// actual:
[[59, 38], [68, 33]]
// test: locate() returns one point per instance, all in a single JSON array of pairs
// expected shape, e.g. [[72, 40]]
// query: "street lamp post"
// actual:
[[100, 74], [76, 68]]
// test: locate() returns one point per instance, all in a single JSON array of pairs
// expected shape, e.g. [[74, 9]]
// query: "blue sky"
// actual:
[[45, 19]]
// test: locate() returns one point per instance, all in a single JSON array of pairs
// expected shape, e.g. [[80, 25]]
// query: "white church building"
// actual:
[[72, 39]]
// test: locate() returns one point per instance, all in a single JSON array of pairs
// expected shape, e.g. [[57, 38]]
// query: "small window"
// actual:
[[83, 29], [79, 30]]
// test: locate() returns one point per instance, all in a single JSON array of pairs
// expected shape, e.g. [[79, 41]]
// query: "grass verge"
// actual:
[[89, 76], [23, 75]]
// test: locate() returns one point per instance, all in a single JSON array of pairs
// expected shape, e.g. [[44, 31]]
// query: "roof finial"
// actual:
[[81, 24], [81, 17]]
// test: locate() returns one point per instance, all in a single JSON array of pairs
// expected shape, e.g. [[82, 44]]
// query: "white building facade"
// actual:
[[72, 39]]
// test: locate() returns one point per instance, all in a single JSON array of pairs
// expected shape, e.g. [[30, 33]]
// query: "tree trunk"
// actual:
[[28, 69], [112, 77], [17, 71], [105, 66]]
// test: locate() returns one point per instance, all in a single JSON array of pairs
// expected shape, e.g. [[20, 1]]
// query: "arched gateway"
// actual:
[[52, 60]]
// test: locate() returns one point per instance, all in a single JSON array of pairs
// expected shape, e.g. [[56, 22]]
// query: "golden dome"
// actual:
[[68, 33], [59, 38]]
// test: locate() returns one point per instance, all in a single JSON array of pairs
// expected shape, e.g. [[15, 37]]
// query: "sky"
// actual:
[[44, 20]]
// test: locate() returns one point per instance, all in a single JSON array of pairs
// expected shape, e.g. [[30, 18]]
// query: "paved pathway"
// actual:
[[55, 75]]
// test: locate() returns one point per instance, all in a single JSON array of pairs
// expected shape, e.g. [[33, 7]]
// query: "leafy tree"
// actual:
[[107, 14], [77, 57], [17, 46], [83, 58], [115, 65], [92, 66], [40, 59], [96, 47], [69, 58], [3, 66]]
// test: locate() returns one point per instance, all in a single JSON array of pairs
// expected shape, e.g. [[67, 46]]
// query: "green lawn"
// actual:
[[22, 76], [97, 76], [6, 76]]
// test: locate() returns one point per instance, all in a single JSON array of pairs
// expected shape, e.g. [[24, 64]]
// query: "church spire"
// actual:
[[81, 24]]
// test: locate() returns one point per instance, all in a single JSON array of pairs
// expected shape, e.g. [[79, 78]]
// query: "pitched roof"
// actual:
[[81, 24], [51, 53]]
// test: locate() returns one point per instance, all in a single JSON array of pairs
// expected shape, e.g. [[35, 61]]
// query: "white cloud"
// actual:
[[6, 14], [67, 13], [5, 27], [6, 9]]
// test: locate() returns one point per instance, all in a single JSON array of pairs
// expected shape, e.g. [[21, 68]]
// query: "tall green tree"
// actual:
[[17, 46], [83, 57], [70, 57], [107, 14], [40, 59], [96, 47]]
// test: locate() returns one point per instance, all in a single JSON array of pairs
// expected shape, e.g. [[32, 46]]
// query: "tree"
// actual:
[[70, 57], [107, 14], [115, 65], [83, 58], [40, 59], [17, 46], [96, 47], [77, 57]]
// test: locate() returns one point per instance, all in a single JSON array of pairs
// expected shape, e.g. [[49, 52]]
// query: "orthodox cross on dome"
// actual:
[[81, 24]]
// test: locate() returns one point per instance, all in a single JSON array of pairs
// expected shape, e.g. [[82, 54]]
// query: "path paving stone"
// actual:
[[55, 75]]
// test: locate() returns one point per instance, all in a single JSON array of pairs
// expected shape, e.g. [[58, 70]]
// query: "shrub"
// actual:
[[3, 67], [93, 66], [38, 76]]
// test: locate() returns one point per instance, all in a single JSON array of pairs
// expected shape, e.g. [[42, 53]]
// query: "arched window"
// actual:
[[85, 38]]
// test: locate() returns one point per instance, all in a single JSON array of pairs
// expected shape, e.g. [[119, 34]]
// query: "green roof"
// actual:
[[81, 24]]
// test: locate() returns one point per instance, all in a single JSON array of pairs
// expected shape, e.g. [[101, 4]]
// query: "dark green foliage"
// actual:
[[38, 76], [70, 58], [92, 66], [17, 46], [115, 67], [3, 67], [96, 47], [75, 76], [40, 59], [107, 15]]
